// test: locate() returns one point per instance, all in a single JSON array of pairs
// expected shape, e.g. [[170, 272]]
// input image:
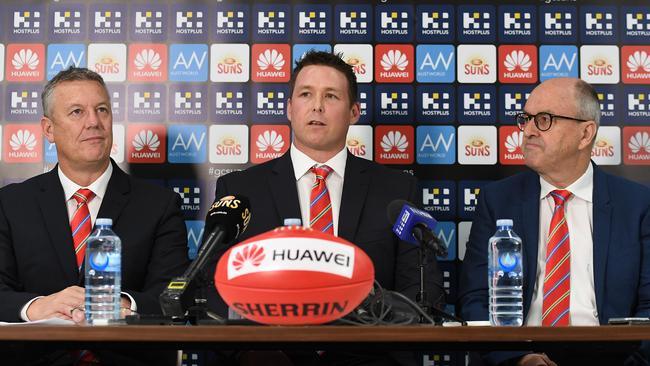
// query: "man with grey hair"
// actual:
[[585, 233], [44, 221]]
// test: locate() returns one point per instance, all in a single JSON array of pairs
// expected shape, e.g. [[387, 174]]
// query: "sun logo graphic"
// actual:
[[251, 255], [22, 144], [637, 67]]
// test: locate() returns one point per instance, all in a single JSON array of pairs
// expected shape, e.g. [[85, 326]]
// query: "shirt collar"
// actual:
[[302, 163], [582, 188], [98, 187]]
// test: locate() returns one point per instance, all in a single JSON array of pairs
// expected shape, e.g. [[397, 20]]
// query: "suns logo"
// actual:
[[252, 254], [602, 148], [25, 58], [22, 138], [146, 58], [477, 147], [394, 140], [600, 67], [270, 139], [146, 138]]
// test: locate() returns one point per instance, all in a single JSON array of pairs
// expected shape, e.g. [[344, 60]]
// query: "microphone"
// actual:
[[226, 220], [415, 226]]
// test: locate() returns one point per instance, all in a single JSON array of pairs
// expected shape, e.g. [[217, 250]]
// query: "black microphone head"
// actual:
[[394, 208], [232, 213]]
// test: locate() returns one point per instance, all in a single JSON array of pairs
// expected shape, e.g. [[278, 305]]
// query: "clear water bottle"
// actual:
[[505, 276], [103, 274]]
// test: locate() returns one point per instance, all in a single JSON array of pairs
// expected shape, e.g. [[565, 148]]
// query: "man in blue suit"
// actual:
[[605, 257]]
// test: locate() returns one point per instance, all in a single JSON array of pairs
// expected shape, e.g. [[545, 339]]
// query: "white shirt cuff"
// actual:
[[23, 311]]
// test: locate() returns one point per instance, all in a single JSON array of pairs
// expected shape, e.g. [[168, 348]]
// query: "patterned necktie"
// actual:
[[80, 223], [557, 281], [320, 206]]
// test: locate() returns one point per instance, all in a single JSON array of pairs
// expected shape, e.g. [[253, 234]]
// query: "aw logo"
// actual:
[[108, 60], [190, 193], [117, 150], [468, 192], [232, 22], [313, 23], [477, 145], [436, 103], [512, 99], [637, 104], [559, 24], [436, 145], [25, 62], [187, 144], [359, 141], [271, 23], [147, 102], [394, 103], [229, 62], [149, 23], [394, 144], [270, 102], [394, 23], [228, 102], [118, 101], [107, 22], [599, 64], [446, 232], [188, 102], [353, 23], [558, 62], [476, 24], [24, 103], [477, 63], [518, 24], [599, 24], [636, 64], [67, 22], [146, 143], [477, 104], [518, 64], [608, 97], [636, 145], [190, 22], [26, 22], [637, 24], [510, 141], [607, 148], [435, 63], [271, 63], [359, 56], [365, 100], [269, 142], [228, 144], [62, 56], [194, 236], [23, 143], [147, 62], [439, 198], [435, 23], [394, 63], [188, 62]]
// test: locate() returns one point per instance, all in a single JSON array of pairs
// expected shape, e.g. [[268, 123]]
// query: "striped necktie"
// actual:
[[557, 281], [320, 206], [80, 223]]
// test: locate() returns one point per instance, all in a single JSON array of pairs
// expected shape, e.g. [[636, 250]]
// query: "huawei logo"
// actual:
[[639, 141], [25, 58], [639, 60], [394, 58], [252, 254], [394, 139], [146, 138], [146, 58], [517, 59], [270, 139], [514, 141], [22, 138], [270, 58]]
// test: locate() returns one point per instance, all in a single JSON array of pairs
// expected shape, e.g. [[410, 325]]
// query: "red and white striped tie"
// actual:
[[320, 206], [80, 223]]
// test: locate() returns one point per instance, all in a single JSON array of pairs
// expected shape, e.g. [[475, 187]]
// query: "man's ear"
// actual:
[[589, 132], [48, 129], [355, 113]]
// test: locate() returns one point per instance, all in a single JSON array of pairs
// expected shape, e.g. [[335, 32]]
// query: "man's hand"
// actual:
[[536, 359], [65, 304]]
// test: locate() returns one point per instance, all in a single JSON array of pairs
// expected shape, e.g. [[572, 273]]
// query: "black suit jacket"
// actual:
[[36, 249], [368, 188]]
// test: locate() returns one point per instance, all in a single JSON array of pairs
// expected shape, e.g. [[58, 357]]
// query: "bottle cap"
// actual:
[[292, 221], [104, 222], [504, 222]]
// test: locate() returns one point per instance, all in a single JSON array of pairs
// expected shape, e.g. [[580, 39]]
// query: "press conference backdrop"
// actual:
[[199, 88]]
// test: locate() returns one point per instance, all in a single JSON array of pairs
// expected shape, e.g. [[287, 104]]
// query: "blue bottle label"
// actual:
[[105, 262]]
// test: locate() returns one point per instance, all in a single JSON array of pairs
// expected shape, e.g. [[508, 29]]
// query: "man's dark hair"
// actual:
[[327, 59], [71, 74]]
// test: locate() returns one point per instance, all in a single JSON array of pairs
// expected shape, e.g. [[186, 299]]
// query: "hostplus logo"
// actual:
[[394, 63], [312, 21], [607, 147], [149, 22], [436, 23], [636, 145], [510, 141], [359, 141], [468, 192], [232, 22], [22, 143], [439, 198], [26, 23], [229, 62], [147, 143], [395, 103], [637, 24], [557, 62], [188, 62], [190, 194], [187, 144], [271, 22], [190, 22], [365, 103], [108, 21], [599, 24], [269, 142], [272, 62], [25, 62], [394, 144], [476, 23], [512, 99], [636, 64], [436, 145], [228, 144], [435, 103], [148, 62], [560, 23], [62, 56], [118, 97], [67, 21], [229, 103], [108, 60], [637, 104], [147, 102], [188, 103], [599, 64], [394, 23], [477, 104], [270, 102], [436, 63], [353, 23], [359, 56], [518, 23], [608, 96], [23, 102], [517, 64]]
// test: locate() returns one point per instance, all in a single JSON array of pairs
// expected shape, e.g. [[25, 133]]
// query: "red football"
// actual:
[[294, 275]]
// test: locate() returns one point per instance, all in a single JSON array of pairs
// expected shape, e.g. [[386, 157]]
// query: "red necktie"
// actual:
[[80, 223], [320, 206], [557, 281]]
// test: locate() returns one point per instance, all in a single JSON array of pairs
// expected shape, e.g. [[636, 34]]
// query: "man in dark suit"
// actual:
[[588, 248], [40, 274]]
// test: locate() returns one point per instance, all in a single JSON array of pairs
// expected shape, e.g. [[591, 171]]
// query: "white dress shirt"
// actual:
[[579, 218], [305, 180]]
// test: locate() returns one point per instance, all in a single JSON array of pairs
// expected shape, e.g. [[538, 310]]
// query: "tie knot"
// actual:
[[560, 196], [83, 195], [321, 172]]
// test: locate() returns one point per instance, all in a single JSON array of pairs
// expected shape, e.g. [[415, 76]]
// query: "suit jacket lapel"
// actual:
[[530, 235], [602, 215], [355, 188], [52, 203], [284, 190], [117, 195]]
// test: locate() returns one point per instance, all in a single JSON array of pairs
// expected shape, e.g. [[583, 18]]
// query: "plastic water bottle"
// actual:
[[505, 276], [103, 274]]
